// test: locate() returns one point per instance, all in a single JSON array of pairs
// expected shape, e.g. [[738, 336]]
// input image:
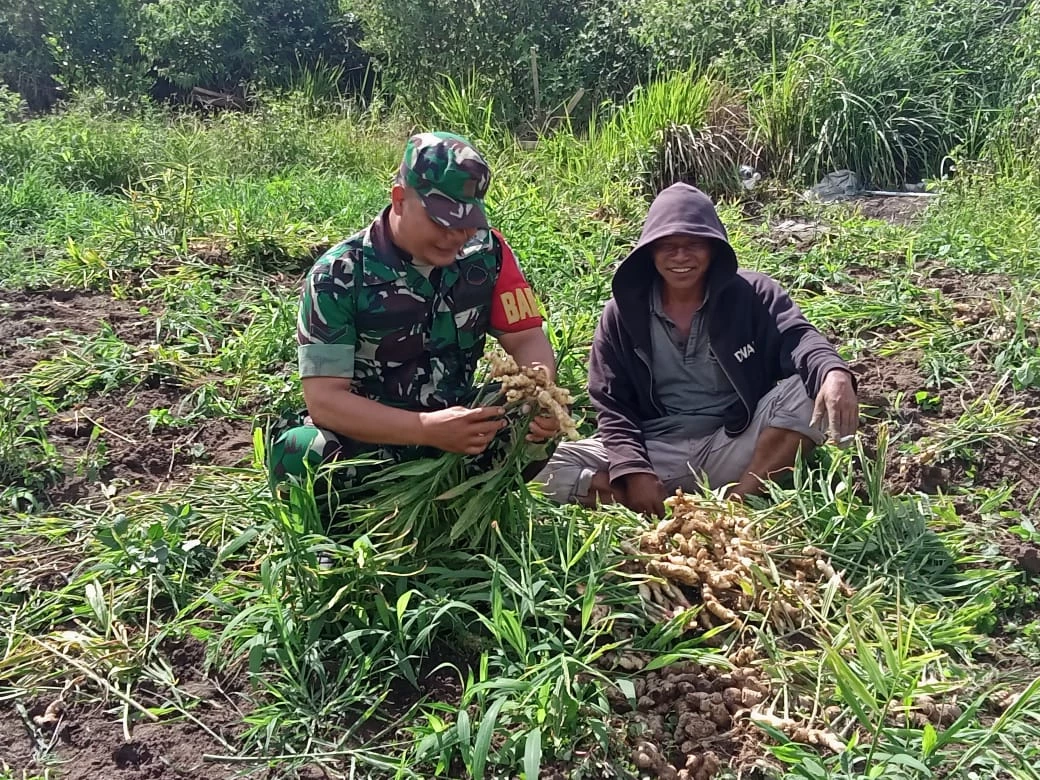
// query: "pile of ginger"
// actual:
[[712, 555]]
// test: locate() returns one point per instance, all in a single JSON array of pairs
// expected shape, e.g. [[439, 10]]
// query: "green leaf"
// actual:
[[905, 759], [533, 754], [236, 544], [257, 654], [593, 535], [402, 604], [928, 739], [662, 661], [483, 743], [790, 753], [469, 484], [1009, 715], [879, 679], [469, 517], [814, 768], [588, 602], [418, 468], [463, 729], [967, 718], [853, 691]]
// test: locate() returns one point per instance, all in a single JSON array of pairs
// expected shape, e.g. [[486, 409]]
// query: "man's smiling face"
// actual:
[[682, 261]]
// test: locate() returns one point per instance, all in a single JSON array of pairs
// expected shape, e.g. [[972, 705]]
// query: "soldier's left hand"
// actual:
[[543, 427]]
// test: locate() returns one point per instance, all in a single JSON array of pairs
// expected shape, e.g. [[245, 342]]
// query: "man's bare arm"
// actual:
[[530, 347], [333, 406]]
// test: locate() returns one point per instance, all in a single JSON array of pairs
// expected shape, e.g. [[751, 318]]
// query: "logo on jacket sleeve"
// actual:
[[744, 352]]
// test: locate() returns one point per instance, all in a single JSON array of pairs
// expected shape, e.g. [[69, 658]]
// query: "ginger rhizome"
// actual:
[[531, 386]]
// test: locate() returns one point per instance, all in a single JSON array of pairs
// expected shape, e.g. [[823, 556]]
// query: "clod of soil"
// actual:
[[1027, 556], [689, 716]]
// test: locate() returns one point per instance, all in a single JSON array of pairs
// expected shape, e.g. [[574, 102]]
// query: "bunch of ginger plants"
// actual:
[[455, 500]]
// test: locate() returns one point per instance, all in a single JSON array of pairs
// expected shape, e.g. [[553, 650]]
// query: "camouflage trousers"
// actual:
[[297, 446]]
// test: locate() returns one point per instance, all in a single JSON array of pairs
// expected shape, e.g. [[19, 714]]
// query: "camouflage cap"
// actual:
[[450, 176]]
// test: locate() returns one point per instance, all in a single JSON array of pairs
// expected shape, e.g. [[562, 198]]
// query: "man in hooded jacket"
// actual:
[[699, 372]]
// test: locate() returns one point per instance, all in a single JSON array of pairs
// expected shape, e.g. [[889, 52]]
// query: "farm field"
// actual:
[[165, 613]]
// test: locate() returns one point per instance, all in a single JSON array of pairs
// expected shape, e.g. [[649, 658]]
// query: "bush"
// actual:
[[416, 41], [888, 94], [606, 58], [84, 147], [122, 46], [222, 44], [93, 44], [26, 65], [1016, 136], [739, 34], [194, 43]]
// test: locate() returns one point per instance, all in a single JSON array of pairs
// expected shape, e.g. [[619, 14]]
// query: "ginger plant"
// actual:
[[454, 499]]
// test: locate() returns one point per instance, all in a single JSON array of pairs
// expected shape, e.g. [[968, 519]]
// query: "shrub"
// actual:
[[416, 41]]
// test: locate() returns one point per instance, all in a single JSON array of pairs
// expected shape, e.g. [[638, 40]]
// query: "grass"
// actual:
[[358, 656]]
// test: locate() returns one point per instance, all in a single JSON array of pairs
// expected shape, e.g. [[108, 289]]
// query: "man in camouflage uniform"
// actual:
[[393, 320]]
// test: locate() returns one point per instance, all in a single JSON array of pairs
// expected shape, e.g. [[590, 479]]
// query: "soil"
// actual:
[[882, 379], [899, 210], [28, 317], [138, 458], [34, 325], [87, 742], [995, 463]]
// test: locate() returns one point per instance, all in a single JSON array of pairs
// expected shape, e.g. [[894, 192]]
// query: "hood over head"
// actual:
[[677, 210]]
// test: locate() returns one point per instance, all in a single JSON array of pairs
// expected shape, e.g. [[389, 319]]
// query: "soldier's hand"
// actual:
[[460, 429]]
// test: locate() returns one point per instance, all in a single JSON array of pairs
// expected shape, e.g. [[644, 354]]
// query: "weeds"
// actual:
[[29, 462]]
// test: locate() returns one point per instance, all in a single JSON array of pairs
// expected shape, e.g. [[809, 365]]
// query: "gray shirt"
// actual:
[[688, 380]]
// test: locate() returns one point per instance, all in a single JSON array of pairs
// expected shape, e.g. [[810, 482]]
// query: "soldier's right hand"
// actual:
[[460, 429]]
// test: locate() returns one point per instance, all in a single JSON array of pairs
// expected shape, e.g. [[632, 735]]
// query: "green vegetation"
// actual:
[[155, 593]]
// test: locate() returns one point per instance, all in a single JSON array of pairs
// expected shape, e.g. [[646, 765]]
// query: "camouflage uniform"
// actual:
[[406, 336]]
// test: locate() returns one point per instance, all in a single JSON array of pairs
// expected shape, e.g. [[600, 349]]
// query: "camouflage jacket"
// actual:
[[405, 339]]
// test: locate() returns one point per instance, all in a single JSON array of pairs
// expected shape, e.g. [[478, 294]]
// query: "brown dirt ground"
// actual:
[[881, 379], [87, 743], [900, 210], [143, 460], [28, 316]]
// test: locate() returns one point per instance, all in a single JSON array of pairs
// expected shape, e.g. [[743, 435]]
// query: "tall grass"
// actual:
[[890, 111]]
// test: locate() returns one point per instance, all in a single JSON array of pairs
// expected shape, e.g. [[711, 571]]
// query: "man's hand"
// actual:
[[837, 406], [644, 493], [462, 430], [543, 427]]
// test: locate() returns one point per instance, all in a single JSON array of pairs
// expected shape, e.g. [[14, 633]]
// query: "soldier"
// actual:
[[393, 321]]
